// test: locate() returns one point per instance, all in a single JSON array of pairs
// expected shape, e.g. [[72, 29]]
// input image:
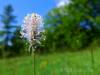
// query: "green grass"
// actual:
[[66, 63]]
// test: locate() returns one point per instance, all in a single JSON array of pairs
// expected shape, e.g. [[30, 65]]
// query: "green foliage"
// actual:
[[10, 33], [63, 25], [7, 19], [18, 47]]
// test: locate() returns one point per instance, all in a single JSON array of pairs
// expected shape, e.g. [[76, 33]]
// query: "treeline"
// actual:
[[74, 26]]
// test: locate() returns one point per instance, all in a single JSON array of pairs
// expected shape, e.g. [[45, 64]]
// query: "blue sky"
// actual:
[[23, 7]]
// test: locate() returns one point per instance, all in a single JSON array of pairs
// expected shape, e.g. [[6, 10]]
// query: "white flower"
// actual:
[[31, 27]]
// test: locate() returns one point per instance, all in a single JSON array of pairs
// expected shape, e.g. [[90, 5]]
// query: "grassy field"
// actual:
[[66, 63]]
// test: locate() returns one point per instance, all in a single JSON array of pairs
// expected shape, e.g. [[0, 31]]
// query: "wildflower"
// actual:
[[32, 27]]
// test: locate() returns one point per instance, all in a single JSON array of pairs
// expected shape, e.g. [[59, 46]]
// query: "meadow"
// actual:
[[65, 63], [75, 26]]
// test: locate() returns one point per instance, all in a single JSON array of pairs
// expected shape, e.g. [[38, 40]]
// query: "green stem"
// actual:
[[33, 54], [34, 65], [92, 59]]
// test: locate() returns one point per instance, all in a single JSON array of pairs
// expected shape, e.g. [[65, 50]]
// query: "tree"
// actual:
[[7, 19], [75, 25], [18, 47]]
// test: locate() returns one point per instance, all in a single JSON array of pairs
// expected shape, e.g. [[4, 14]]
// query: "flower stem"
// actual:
[[92, 59], [34, 64], [33, 55]]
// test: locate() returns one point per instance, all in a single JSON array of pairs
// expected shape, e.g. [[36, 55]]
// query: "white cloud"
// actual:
[[62, 2]]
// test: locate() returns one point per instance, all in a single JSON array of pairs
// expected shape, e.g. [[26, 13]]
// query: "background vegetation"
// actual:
[[74, 26], [72, 39]]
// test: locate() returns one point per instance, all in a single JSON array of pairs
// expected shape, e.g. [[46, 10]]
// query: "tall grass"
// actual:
[[66, 63]]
